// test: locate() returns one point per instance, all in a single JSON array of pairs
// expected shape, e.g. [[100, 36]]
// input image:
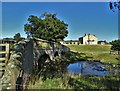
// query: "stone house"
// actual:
[[88, 39]]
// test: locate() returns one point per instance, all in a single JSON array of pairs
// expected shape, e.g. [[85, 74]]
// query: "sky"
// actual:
[[82, 17], [59, 0]]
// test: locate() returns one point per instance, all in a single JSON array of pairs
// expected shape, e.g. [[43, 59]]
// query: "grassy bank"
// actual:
[[96, 52]]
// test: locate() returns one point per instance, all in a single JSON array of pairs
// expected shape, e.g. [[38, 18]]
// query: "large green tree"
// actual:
[[115, 45], [47, 27]]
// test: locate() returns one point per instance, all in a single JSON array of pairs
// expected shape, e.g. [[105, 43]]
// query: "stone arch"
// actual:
[[42, 60], [56, 54]]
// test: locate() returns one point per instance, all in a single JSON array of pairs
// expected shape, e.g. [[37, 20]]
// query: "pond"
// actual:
[[88, 68]]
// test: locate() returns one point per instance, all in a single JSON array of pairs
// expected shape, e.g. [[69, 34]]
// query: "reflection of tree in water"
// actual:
[[89, 68], [81, 67]]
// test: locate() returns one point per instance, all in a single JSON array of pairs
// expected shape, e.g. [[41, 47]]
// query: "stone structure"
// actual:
[[28, 56], [88, 39]]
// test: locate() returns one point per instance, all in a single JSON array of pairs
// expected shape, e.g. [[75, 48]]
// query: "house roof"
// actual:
[[86, 35], [71, 41]]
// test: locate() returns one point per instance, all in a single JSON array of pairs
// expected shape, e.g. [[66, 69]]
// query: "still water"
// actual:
[[88, 68]]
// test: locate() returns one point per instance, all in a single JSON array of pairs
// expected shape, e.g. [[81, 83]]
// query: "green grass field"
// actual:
[[90, 48], [96, 52]]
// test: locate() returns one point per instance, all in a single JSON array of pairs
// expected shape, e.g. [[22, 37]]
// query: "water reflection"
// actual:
[[88, 68]]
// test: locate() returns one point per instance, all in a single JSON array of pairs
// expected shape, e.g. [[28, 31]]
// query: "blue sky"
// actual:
[[89, 17]]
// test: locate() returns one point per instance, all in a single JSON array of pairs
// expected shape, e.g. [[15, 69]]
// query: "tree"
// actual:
[[115, 45], [17, 37], [47, 27], [114, 5]]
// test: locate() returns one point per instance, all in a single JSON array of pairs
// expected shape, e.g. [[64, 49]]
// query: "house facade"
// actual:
[[88, 39]]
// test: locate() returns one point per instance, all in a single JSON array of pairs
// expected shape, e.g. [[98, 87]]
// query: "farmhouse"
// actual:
[[87, 39]]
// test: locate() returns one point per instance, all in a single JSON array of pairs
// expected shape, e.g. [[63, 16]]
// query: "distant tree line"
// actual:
[[115, 45], [18, 37]]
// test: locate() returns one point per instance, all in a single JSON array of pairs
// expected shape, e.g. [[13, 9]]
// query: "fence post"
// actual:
[[7, 53]]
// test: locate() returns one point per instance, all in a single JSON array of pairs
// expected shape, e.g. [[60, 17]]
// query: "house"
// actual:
[[74, 42], [102, 42], [88, 39]]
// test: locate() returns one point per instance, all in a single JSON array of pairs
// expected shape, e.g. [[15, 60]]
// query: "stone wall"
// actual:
[[19, 61], [25, 59]]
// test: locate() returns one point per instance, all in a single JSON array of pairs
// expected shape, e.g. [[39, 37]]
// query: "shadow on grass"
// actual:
[[75, 56]]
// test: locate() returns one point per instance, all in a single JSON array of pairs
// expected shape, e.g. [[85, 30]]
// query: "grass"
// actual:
[[73, 82], [90, 48], [78, 83], [96, 52], [54, 83], [94, 82]]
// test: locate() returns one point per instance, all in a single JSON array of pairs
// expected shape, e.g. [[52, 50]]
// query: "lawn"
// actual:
[[96, 52], [90, 48]]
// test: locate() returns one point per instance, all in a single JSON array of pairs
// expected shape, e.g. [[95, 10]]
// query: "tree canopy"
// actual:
[[115, 45], [17, 37], [47, 27]]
